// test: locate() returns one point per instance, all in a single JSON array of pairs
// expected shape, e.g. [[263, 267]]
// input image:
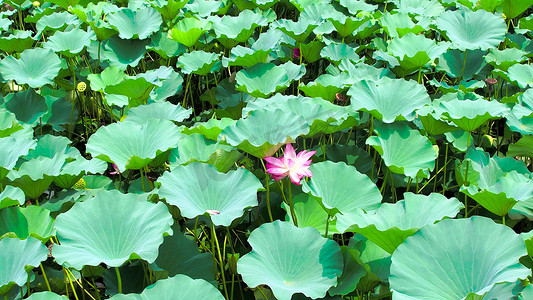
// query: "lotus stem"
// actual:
[[503, 220], [71, 284], [142, 180], [291, 204], [327, 227], [119, 281], [466, 175], [221, 260], [445, 165], [267, 177], [463, 68], [45, 277]]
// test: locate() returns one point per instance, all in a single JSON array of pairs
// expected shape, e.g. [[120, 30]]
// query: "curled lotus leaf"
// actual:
[[35, 67], [17, 41], [291, 260], [415, 158], [391, 224], [299, 30], [188, 30], [179, 287], [36, 175], [198, 189], [11, 148], [263, 132], [503, 59], [460, 250], [133, 146], [522, 75], [414, 51], [337, 52], [470, 114], [333, 183], [388, 99], [238, 28], [199, 62], [135, 24], [23, 222], [57, 21], [400, 24], [127, 228], [262, 80], [46, 296], [15, 256], [325, 86], [11, 196], [245, 57], [355, 6], [70, 43], [310, 213], [426, 8], [470, 30], [158, 110]]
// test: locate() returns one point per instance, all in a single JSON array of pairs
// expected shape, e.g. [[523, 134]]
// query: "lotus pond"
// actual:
[[266, 149]]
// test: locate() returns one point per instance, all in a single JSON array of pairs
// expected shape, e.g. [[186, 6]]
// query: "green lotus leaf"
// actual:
[[34, 176], [291, 260], [524, 147], [187, 31], [503, 59], [57, 21], [11, 196], [5, 23], [414, 51], [203, 8], [354, 269], [36, 67], [301, 5], [11, 148], [346, 26], [137, 89], [463, 86], [426, 8], [17, 41], [158, 110], [469, 115], [524, 107], [512, 9], [391, 224], [299, 31], [60, 112], [454, 64], [195, 147], [120, 52], [127, 228], [180, 255], [338, 52], [252, 136], [416, 157], [245, 57], [459, 139], [332, 183], [521, 74], [526, 293], [46, 295], [169, 9], [179, 287], [322, 116], [22, 222], [432, 122], [231, 30], [133, 146], [28, 106], [109, 76], [456, 245], [264, 4], [15, 256], [388, 99], [74, 171], [198, 188], [262, 80], [199, 62], [135, 24], [168, 88], [165, 46], [325, 86], [51, 146], [210, 129], [470, 30], [70, 43], [400, 24], [310, 213], [9, 124], [375, 259], [523, 125], [361, 71]]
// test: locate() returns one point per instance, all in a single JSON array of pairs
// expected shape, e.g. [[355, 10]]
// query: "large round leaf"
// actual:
[[232, 30], [11, 149], [198, 188], [291, 260], [263, 132], [46, 296], [334, 184], [470, 30], [470, 114], [36, 67], [522, 75], [111, 228], [70, 43], [34, 176], [15, 256], [199, 62], [135, 24], [188, 30], [467, 256], [404, 151], [158, 110], [262, 80], [388, 99], [179, 287], [28, 106], [133, 146], [391, 224]]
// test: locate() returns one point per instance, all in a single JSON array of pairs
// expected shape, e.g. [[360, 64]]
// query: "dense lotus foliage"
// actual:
[[266, 149]]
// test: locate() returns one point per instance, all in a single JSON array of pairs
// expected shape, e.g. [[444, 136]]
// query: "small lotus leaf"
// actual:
[[158, 110], [291, 260], [34, 176], [299, 30], [333, 183], [179, 287], [198, 188], [135, 24], [469, 115], [111, 228], [36, 67], [120, 52], [15, 256], [133, 146], [310, 213], [210, 129], [245, 57], [263, 132], [454, 247], [70, 43], [338, 52], [57, 21], [17, 41], [388, 99], [11, 149], [426, 8], [199, 62], [28, 106], [262, 80], [22, 222], [239, 28], [503, 59], [11, 196], [415, 158], [414, 51], [400, 24], [470, 30], [188, 30], [522, 75], [391, 224]]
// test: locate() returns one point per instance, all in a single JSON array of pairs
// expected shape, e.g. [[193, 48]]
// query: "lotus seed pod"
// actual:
[[36, 3], [81, 86], [79, 185]]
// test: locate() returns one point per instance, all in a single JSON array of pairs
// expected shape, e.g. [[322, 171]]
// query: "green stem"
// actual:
[[327, 227], [45, 277], [466, 176], [291, 204], [262, 293], [119, 280], [503, 219], [142, 180], [384, 181], [221, 261], [463, 68], [445, 165], [267, 177]]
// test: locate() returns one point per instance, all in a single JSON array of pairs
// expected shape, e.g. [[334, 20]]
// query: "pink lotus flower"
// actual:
[[296, 53], [291, 164]]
